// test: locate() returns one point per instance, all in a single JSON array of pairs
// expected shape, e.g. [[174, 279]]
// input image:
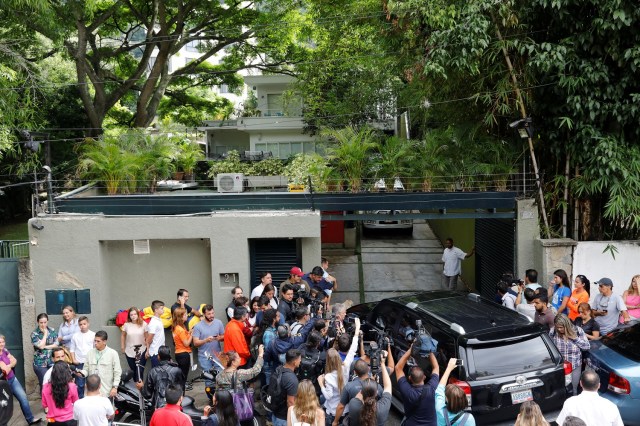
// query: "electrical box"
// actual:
[[56, 300]]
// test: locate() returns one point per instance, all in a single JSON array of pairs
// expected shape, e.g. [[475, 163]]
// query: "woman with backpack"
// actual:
[[451, 402], [222, 413], [306, 411]]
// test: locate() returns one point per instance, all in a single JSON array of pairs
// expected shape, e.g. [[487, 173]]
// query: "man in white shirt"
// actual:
[[57, 354], [81, 344], [527, 309], [508, 299], [155, 332], [94, 410], [452, 258], [530, 281], [590, 407], [265, 278]]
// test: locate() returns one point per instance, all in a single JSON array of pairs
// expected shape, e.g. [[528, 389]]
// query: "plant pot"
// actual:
[[178, 175]]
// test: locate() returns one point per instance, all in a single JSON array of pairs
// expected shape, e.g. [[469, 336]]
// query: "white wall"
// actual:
[[590, 260]]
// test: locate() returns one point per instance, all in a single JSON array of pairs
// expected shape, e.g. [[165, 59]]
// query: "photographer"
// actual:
[[336, 374], [352, 388], [370, 406], [372, 355], [418, 398], [302, 317], [284, 341]]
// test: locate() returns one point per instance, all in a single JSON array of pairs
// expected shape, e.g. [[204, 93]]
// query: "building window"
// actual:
[[193, 46], [224, 88], [284, 150]]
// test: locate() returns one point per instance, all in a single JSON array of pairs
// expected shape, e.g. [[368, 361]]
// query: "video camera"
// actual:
[[78, 371]]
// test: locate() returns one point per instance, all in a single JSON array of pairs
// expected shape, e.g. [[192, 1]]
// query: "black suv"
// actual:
[[506, 358]]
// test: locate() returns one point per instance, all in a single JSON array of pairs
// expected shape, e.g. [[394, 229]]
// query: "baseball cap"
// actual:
[[605, 281], [296, 271]]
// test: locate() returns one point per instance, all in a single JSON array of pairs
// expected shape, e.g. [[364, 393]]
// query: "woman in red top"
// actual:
[[182, 340], [59, 395]]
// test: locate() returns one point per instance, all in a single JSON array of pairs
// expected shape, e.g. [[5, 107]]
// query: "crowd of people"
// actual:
[[299, 354]]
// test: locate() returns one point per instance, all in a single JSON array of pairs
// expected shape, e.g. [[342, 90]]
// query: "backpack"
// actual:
[[273, 394], [308, 367], [295, 328]]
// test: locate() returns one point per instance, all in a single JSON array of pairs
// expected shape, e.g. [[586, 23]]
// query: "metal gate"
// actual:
[[10, 320], [276, 255], [495, 252]]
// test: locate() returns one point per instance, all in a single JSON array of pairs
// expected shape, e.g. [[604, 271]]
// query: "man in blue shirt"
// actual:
[[314, 279], [418, 398]]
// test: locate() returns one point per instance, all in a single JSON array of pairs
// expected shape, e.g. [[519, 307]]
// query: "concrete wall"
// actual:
[[96, 253], [553, 254], [591, 260]]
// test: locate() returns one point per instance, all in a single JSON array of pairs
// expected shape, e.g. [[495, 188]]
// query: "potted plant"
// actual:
[[349, 149], [189, 153]]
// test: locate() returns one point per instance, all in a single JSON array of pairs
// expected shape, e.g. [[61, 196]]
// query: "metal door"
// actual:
[[276, 255], [10, 320], [495, 248]]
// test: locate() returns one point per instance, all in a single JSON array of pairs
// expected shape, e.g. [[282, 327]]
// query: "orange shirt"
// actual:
[[180, 334], [574, 301], [234, 340]]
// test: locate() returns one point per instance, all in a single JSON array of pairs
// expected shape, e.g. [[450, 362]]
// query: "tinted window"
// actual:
[[384, 316], [626, 342], [511, 358]]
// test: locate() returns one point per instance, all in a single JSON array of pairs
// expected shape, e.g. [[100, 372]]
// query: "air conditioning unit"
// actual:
[[230, 182]]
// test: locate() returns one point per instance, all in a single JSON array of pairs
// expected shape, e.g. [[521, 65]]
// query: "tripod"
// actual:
[[143, 419]]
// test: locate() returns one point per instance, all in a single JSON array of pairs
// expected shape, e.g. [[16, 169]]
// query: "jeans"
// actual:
[[21, 396], [278, 422], [40, 372], [449, 283], [206, 365], [154, 360], [132, 365], [80, 381], [267, 370]]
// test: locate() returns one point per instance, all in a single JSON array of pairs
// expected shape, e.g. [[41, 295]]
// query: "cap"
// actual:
[[605, 281], [296, 271]]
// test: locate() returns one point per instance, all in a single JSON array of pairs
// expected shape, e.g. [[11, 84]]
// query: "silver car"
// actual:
[[404, 225]]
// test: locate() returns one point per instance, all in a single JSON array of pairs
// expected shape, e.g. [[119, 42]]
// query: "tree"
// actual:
[[122, 48], [345, 75]]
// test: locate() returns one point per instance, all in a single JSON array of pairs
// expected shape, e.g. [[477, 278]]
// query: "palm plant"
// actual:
[[189, 153], [105, 161], [349, 149], [429, 158], [392, 158]]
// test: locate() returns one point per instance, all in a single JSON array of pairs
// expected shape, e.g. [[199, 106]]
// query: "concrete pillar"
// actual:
[[527, 231]]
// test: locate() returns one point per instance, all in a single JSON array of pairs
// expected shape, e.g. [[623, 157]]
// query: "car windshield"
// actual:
[[515, 357], [626, 342]]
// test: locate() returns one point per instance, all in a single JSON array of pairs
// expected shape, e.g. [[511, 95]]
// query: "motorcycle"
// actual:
[[127, 404]]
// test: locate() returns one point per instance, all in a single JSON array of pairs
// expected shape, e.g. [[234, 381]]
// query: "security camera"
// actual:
[[37, 226], [515, 124]]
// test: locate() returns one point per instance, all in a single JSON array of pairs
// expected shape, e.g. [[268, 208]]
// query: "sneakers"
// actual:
[[35, 421]]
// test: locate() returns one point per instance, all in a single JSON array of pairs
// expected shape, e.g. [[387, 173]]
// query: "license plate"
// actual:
[[521, 396]]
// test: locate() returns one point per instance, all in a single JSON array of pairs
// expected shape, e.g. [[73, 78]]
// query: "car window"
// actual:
[[385, 316], [514, 357], [626, 342]]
